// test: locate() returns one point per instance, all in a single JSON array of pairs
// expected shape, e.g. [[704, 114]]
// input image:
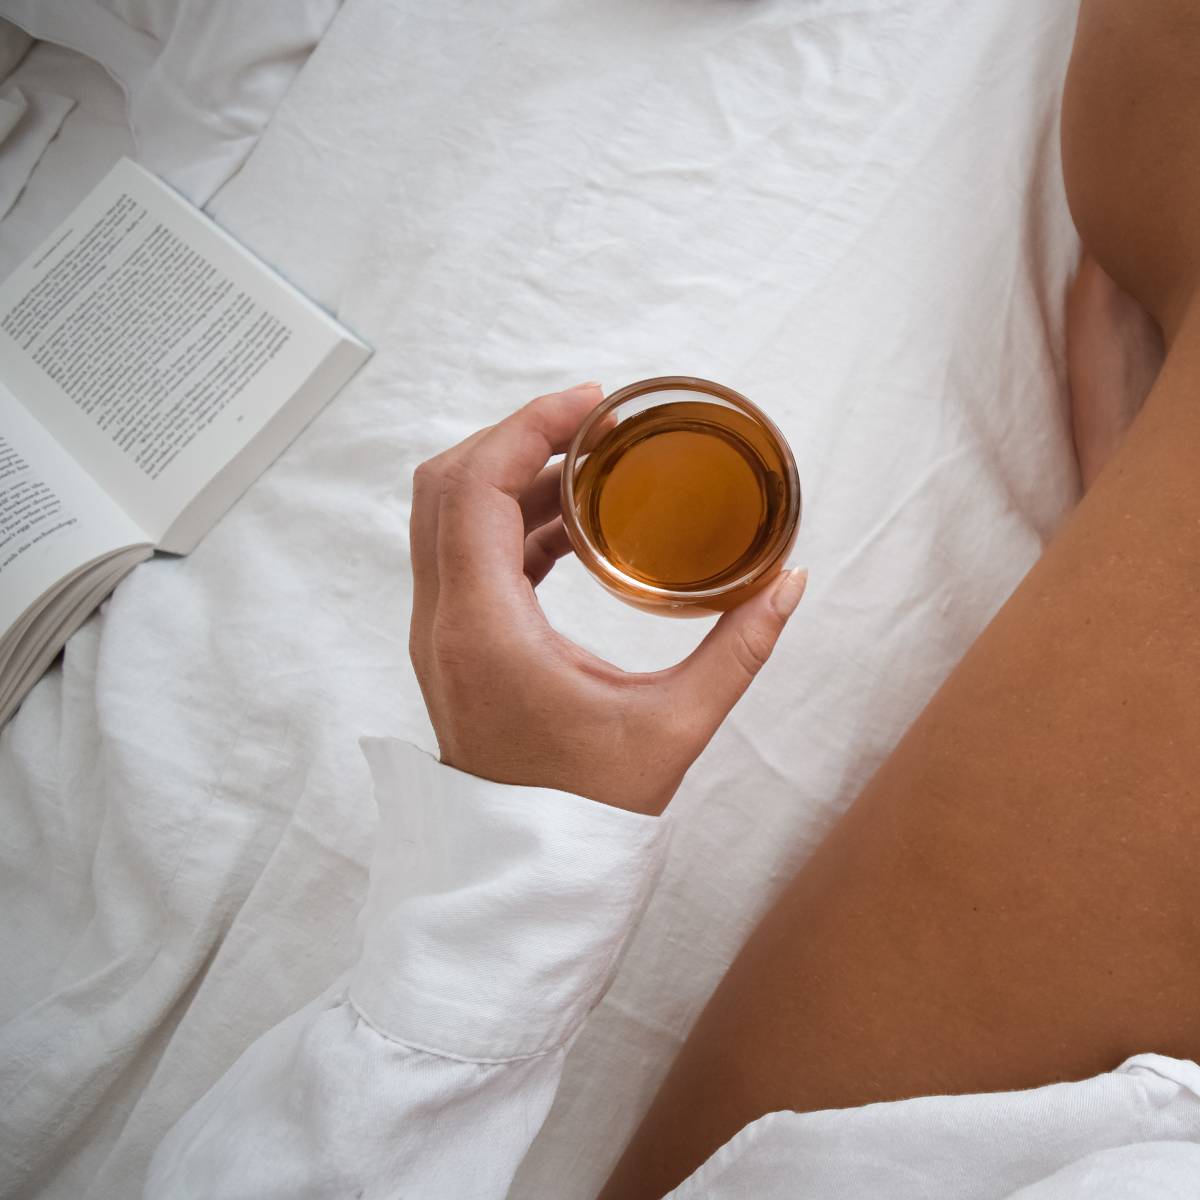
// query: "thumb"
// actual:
[[721, 668]]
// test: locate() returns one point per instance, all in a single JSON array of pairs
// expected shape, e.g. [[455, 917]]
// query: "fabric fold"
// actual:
[[201, 77], [29, 121]]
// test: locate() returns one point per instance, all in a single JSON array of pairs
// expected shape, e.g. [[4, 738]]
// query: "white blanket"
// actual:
[[850, 211]]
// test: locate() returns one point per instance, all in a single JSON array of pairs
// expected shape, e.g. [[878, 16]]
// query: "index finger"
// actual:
[[509, 456], [481, 527]]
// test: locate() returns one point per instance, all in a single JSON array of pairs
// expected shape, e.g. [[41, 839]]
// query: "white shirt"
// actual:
[[494, 923]]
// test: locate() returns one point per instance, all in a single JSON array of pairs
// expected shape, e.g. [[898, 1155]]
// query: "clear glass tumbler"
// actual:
[[681, 496]]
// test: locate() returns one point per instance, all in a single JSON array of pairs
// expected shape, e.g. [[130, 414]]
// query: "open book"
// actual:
[[150, 369]]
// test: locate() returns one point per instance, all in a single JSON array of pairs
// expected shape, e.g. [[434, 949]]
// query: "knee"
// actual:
[[1131, 147]]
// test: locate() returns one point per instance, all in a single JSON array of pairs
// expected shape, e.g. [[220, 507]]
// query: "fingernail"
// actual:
[[591, 383], [788, 591]]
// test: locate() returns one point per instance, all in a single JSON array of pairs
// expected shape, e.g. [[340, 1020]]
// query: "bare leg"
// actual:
[[1015, 897], [1114, 354]]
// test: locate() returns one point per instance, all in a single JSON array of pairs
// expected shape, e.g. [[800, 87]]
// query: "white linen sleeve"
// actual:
[[493, 924]]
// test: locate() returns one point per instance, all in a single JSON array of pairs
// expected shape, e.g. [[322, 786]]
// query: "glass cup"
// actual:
[[681, 496]]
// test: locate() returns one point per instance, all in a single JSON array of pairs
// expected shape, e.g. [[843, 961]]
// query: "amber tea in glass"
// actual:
[[688, 504]]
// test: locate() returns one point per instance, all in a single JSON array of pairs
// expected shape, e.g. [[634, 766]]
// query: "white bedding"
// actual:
[[200, 78], [185, 86], [93, 136], [850, 211]]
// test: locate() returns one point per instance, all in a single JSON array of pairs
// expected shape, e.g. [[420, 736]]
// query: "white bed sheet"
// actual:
[[200, 78], [185, 86], [851, 210], [94, 134]]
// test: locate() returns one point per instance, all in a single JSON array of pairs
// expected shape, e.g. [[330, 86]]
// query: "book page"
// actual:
[[53, 516], [151, 345]]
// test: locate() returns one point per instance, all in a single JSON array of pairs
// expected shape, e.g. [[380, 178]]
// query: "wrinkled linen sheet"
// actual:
[[200, 78], [185, 86], [851, 211], [93, 135]]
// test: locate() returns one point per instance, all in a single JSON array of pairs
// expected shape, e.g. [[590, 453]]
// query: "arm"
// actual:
[[493, 922], [497, 910]]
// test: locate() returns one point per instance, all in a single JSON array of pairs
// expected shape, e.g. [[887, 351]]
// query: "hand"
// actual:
[[512, 700]]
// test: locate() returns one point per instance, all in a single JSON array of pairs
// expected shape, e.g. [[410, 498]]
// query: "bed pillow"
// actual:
[[202, 77]]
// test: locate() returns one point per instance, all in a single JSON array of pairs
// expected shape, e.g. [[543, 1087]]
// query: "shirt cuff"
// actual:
[[496, 914]]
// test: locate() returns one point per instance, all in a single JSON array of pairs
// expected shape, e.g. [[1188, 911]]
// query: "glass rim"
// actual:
[[598, 562]]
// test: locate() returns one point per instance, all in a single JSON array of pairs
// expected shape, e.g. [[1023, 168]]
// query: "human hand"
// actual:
[[511, 699]]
